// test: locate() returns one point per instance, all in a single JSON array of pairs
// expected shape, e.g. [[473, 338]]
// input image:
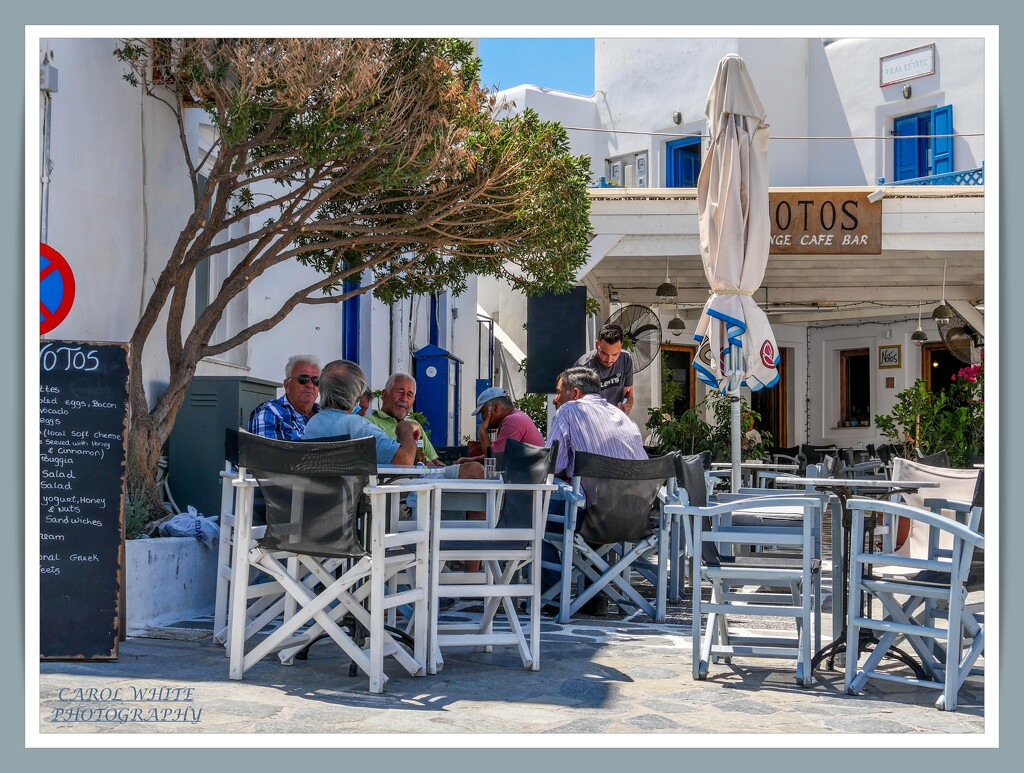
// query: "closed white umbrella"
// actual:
[[736, 343]]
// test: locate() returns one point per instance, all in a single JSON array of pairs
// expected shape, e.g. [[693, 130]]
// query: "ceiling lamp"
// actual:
[[677, 325], [919, 336], [942, 312], [666, 289]]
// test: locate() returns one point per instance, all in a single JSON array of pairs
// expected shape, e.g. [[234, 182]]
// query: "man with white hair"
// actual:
[[341, 384], [397, 400], [285, 418]]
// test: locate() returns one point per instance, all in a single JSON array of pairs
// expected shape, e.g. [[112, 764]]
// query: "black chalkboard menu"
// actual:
[[83, 399]]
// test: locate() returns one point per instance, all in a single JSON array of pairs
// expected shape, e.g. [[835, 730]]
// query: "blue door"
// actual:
[[682, 162], [923, 144]]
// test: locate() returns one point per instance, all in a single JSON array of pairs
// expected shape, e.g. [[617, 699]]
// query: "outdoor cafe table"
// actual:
[[843, 489], [753, 468]]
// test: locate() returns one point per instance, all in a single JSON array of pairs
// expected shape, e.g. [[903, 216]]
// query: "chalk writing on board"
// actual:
[[82, 409]]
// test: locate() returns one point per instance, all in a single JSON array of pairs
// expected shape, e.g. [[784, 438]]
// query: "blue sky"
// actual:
[[554, 63]]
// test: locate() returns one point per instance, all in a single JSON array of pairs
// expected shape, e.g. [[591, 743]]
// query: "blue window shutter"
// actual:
[[905, 157], [942, 147], [350, 322], [435, 332]]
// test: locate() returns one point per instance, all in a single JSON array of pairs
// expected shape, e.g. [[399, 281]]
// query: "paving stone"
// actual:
[[611, 676], [652, 722]]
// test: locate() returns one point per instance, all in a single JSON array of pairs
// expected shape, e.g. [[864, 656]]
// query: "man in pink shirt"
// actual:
[[497, 412]]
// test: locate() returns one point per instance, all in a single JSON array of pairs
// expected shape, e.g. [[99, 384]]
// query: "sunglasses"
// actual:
[[304, 379]]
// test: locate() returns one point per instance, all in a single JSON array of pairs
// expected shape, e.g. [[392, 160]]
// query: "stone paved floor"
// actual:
[[601, 676]]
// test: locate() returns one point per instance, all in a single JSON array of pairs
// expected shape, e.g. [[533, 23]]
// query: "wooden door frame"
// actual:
[[692, 349], [926, 360]]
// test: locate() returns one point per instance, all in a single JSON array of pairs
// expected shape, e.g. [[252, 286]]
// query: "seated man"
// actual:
[[364, 402], [341, 384], [397, 401], [586, 421], [285, 418], [497, 411]]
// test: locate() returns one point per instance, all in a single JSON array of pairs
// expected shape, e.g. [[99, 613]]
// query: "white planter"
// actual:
[[168, 579]]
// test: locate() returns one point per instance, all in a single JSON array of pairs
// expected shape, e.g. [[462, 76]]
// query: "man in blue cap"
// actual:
[[498, 413]]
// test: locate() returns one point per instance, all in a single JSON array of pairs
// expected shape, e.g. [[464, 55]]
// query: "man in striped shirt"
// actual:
[[586, 421]]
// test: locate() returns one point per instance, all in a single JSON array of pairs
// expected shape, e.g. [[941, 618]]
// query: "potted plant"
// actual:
[[952, 419]]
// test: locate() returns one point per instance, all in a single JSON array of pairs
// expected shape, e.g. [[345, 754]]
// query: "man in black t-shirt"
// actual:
[[613, 366]]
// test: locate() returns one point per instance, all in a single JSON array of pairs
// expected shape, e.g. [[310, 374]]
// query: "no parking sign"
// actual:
[[56, 288]]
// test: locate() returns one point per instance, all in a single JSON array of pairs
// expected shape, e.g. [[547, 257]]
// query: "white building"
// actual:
[[116, 196], [848, 118]]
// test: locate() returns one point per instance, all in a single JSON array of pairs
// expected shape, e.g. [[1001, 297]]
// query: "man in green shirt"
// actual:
[[397, 400]]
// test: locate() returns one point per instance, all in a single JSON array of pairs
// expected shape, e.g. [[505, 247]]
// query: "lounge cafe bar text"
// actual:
[[833, 222]]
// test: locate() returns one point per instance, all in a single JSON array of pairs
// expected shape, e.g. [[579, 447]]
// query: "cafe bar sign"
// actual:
[[826, 223], [906, 65]]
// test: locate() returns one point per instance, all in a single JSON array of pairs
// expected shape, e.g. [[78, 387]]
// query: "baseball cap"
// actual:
[[486, 396]]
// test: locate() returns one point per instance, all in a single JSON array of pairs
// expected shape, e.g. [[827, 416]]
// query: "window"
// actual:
[[682, 162], [854, 387], [920, 148]]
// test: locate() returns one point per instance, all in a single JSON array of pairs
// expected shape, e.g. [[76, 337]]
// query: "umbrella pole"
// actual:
[[735, 378]]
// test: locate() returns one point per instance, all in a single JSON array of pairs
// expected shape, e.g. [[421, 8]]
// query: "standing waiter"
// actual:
[[613, 366]]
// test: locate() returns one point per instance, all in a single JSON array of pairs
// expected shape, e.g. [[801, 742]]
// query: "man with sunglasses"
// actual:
[[285, 418]]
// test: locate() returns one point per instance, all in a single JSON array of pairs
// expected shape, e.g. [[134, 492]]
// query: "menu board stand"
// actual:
[[83, 422]]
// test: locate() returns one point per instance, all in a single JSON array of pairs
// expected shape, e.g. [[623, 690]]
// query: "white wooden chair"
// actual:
[[782, 578], [908, 600], [316, 516], [508, 546]]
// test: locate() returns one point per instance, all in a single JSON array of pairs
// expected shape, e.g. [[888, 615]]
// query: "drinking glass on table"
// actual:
[[491, 469]]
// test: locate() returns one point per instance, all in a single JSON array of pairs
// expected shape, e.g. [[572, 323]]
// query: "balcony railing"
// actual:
[[963, 177]]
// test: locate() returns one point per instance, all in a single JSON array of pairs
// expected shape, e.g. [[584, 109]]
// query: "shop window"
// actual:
[[855, 387]]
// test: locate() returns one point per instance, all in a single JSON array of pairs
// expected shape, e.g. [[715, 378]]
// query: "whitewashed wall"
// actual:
[[826, 342], [647, 80], [119, 196], [846, 99]]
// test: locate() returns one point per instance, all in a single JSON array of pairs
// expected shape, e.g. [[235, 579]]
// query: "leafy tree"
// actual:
[[345, 156]]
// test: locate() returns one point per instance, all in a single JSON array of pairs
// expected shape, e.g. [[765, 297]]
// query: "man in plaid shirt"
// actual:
[[285, 418]]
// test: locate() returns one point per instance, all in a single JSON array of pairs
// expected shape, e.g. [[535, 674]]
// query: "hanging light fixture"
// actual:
[[666, 289], [676, 326], [942, 312], [919, 336]]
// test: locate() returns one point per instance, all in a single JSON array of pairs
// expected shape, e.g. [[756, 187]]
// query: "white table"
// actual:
[[755, 472]]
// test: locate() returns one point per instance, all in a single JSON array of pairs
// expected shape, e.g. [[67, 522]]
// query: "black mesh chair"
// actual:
[[613, 524], [816, 454], [789, 455], [508, 547], [938, 459], [450, 454], [327, 545], [691, 478]]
